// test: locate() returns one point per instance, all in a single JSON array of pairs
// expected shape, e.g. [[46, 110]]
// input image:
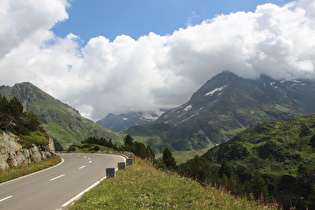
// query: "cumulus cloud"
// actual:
[[154, 71], [20, 19]]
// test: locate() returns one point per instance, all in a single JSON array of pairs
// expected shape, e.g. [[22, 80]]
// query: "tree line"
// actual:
[[167, 162], [253, 185], [14, 119]]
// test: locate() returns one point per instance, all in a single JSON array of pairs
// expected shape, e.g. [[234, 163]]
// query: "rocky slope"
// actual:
[[226, 105], [12, 153]]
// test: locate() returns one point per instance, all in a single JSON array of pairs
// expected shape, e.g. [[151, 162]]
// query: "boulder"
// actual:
[[12, 153]]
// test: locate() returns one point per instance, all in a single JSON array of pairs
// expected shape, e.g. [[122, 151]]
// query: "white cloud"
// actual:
[[20, 19], [153, 71]]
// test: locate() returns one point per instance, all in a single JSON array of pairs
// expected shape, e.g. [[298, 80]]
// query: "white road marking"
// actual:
[[90, 161], [81, 193], [57, 177], [82, 167], [84, 191], [22, 177], [84, 156], [6, 198]]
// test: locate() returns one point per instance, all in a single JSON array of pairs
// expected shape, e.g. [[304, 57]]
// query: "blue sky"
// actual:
[[135, 18]]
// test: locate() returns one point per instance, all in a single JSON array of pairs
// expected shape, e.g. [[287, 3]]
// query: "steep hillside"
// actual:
[[63, 122], [282, 151], [226, 105]]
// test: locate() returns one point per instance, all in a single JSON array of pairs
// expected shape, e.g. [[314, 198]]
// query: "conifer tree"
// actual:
[[225, 169], [169, 160], [198, 168], [259, 187], [128, 143], [310, 202]]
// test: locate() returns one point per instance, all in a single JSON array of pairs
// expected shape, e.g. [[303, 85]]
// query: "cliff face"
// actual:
[[12, 154]]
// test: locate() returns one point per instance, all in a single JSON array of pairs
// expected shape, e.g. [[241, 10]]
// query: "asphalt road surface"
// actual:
[[53, 188]]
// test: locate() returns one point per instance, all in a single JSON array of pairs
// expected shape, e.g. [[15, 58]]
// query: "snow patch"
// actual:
[[189, 117], [214, 91], [290, 80], [152, 116], [188, 108], [272, 84]]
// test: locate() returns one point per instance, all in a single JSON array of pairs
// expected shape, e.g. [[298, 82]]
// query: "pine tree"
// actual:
[[15, 107], [259, 187], [198, 168], [310, 202], [150, 154], [169, 160], [225, 169], [128, 143]]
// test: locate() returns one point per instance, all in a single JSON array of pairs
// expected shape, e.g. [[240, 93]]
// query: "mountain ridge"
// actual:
[[123, 121], [225, 105], [63, 123]]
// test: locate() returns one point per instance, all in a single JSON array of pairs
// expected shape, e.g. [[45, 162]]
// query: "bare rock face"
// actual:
[[12, 154]]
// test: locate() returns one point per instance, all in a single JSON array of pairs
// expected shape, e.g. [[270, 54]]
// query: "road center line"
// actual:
[[82, 167], [6, 198], [57, 177]]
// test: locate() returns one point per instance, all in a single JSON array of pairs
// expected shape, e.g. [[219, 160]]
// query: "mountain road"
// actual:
[[53, 188]]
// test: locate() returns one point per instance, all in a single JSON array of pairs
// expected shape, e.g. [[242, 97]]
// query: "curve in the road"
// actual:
[[59, 186]]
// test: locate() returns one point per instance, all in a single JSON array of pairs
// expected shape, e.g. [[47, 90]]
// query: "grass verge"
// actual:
[[141, 186], [12, 173]]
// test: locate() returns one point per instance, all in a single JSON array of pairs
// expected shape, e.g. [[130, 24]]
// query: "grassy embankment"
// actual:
[[142, 186], [12, 173]]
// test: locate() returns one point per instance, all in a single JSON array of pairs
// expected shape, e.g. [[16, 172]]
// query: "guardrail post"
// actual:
[[121, 166], [129, 161], [110, 173]]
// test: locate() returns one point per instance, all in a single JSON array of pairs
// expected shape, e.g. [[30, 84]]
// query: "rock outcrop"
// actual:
[[12, 153]]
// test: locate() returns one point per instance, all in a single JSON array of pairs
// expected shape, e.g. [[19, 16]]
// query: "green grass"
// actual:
[[35, 137], [183, 156], [141, 186], [12, 173], [232, 132], [64, 135]]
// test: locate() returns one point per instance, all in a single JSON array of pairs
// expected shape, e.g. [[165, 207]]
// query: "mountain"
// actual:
[[226, 105], [123, 121], [282, 151], [62, 122]]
